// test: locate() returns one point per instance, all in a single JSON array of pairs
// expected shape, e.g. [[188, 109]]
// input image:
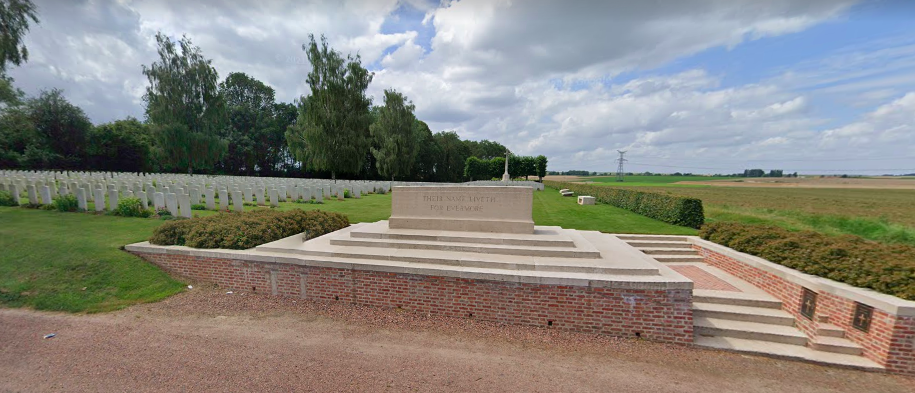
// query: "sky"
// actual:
[[701, 86]]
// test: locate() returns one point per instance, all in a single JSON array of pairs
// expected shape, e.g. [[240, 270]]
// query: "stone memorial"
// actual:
[[171, 203], [224, 199], [99, 199], [45, 193], [158, 201], [237, 201], [477, 209], [112, 200], [81, 202]]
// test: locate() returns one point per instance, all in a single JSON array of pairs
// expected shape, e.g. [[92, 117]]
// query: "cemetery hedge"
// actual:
[[241, 231], [672, 209], [885, 268]]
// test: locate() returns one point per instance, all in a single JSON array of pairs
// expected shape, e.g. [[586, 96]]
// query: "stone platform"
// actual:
[[550, 254]]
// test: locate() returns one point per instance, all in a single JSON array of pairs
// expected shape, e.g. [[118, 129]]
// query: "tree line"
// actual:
[[196, 123]]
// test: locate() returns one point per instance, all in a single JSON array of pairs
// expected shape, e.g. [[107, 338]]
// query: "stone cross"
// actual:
[[505, 176]]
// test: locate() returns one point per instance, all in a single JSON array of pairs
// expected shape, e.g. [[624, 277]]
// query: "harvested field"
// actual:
[[882, 183]]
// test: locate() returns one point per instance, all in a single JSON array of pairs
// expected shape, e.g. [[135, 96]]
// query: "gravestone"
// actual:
[[259, 195], [281, 193], [14, 192], [99, 199], [208, 196], [81, 202], [184, 205], [237, 201], [224, 199], [171, 203], [33, 194], [45, 193], [141, 195], [274, 197], [158, 201], [319, 195], [112, 200]]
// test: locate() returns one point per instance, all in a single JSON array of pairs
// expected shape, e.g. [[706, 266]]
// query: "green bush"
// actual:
[[671, 209], [241, 231], [66, 203], [6, 199], [198, 207], [131, 207], [885, 268], [346, 194]]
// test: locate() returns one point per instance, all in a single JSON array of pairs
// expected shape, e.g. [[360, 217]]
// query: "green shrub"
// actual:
[[66, 203], [346, 194], [131, 207], [6, 199], [48, 207], [671, 209], [249, 229], [885, 268], [198, 207]]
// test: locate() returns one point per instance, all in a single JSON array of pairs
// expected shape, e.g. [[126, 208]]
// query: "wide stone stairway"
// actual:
[[732, 314]]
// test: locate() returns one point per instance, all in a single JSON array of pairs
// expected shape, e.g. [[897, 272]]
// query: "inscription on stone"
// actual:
[[485, 209]]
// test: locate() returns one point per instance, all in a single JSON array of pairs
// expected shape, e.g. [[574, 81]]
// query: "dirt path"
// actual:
[[206, 340]]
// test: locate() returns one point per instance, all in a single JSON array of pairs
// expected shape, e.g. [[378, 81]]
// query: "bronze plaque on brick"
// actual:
[[808, 303], [861, 319]]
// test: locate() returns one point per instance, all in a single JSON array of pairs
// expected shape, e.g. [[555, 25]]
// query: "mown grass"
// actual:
[[73, 261]]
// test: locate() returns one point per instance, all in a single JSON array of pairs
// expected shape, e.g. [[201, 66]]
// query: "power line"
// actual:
[[619, 169]]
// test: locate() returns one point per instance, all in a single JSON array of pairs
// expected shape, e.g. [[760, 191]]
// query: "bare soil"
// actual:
[[207, 340]]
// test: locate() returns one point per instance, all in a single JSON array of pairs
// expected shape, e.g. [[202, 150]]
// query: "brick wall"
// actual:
[[657, 315], [890, 341]]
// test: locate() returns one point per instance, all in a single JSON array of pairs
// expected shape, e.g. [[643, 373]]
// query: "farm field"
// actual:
[[85, 270]]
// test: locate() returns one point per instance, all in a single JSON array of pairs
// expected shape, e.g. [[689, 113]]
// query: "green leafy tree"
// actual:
[[254, 137], [122, 145], [427, 154], [332, 131], [541, 166], [449, 166], [395, 136], [18, 134], [62, 127], [184, 106], [15, 17]]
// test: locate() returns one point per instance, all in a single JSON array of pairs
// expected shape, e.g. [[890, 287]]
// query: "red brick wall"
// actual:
[[890, 341], [657, 315]]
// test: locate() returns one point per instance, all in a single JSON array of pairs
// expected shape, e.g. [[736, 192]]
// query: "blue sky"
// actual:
[[700, 86]]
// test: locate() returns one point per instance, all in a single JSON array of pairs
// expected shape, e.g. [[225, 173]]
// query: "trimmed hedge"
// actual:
[[885, 268], [671, 209], [241, 231]]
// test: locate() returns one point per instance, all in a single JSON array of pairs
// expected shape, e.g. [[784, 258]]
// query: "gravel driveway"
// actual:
[[207, 340]]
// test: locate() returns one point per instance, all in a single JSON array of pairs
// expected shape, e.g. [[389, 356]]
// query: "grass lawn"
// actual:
[[49, 257]]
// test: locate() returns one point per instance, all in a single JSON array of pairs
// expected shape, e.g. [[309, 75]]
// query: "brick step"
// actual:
[[704, 326], [742, 313], [835, 345], [786, 351], [677, 258], [659, 243], [736, 299], [663, 238], [830, 330], [668, 251]]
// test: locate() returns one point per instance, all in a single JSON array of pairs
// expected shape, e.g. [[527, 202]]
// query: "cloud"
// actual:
[[573, 80]]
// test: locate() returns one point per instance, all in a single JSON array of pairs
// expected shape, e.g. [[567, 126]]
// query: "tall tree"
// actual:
[[427, 153], [449, 166], [15, 16], [541, 166], [184, 106], [395, 136], [251, 131], [332, 132], [62, 126]]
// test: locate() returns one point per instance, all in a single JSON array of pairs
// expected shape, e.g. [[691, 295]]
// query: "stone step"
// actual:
[[742, 313], [677, 258], [653, 238], [830, 330], [750, 330], [668, 251], [531, 251], [463, 237], [736, 299], [835, 345], [659, 243], [786, 351]]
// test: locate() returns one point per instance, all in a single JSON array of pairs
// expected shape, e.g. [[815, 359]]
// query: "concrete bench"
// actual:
[[566, 193], [585, 200]]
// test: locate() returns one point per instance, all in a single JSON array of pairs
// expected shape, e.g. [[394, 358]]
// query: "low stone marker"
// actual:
[[319, 195], [208, 196], [112, 200], [585, 200], [33, 194], [171, 203], [566, 192], [99, 199], [81, 202], [224, 199], [237, 201], [259, 195], [158, 201], [14, 192], [144, 201], [274, 197], [45, 193], [184, 205]]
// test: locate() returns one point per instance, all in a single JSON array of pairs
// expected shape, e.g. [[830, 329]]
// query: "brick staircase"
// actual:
[[749, 320]]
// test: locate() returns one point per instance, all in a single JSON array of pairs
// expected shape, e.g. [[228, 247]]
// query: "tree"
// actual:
[[254, 137], [122, 145], [427, 153], [395, 136], [15, 16], [332, 131], [541, 166], [62, 127], [18, 134], [184, 106], [476, 169]]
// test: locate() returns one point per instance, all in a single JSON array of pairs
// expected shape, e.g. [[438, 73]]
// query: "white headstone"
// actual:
[[274, 197], [81, 199], [237, 201], [45, 193], [99, 199], [259, 194], [112, 200], [223, 199], [210, 201], [171, 203], [141, 195], [33, 195], [184, 205], [158, 201]]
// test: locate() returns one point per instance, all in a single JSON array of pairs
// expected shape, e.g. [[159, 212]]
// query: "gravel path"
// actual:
[[207, 340]]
